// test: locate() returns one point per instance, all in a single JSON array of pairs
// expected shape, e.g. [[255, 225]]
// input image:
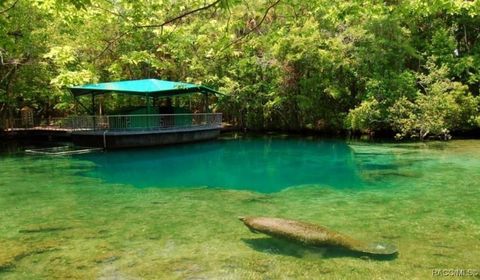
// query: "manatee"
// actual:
[[311, 234]]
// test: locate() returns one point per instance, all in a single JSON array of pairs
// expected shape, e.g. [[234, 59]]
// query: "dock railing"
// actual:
[[57, 123], [145, 122], [122, 122]]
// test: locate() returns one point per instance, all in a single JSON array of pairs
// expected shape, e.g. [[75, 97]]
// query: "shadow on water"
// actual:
[[276, 246]]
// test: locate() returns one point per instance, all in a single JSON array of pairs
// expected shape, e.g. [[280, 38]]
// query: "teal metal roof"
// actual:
[[151, 87]]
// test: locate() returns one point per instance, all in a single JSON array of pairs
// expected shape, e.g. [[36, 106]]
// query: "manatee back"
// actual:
[[312, 234]]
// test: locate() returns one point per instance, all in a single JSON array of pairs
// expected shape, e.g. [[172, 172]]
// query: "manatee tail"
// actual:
[[380, 249]]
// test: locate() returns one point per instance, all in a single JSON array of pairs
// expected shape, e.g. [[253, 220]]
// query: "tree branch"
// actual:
[[108, 11], [160, 25], [255, 27], [9, 8], [179, 17], [110, 43]]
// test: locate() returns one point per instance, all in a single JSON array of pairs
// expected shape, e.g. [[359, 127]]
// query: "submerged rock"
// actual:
[[311, 234]]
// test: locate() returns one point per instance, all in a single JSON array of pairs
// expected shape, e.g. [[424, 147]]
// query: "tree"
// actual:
[[407, 66]]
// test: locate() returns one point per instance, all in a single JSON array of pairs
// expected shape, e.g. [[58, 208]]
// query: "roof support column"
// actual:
[[147, 103], [93, 103], [75, 105], [93, 112], [147, 100], [205, 96]]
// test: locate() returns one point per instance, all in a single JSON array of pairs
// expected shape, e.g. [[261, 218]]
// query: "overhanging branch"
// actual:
[[9, 8], [255, 27], [213, 4], [159, 25]]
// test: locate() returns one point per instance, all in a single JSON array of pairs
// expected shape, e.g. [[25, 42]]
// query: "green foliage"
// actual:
[[427, 115], [365, 116], [444, 105], [408, 66]]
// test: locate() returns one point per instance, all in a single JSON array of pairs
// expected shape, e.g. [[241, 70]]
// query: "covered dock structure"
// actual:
[[149, 126]]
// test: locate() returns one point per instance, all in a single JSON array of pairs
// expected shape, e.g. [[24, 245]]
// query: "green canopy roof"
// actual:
[[150, 87]]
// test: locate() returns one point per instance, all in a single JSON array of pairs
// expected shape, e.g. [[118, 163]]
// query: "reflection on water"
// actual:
[[256, 164]]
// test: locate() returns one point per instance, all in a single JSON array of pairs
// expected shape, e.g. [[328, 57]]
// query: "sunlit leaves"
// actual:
[[365, 117], [61, 56], [443, 105]]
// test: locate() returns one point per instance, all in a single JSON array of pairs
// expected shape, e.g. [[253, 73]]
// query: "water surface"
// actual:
[[260, 165], [171, 213]]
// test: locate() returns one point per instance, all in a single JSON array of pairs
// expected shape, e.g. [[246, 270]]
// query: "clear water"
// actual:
[[171, 213], [260, 165]]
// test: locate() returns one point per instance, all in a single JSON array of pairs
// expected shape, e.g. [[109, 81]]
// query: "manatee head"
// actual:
[[246, 221]]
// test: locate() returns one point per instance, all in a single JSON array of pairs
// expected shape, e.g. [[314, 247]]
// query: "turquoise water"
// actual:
[[172, 212], [260, 165]]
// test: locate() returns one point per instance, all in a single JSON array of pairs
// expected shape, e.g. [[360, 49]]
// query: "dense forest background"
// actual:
[[411, 67]]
